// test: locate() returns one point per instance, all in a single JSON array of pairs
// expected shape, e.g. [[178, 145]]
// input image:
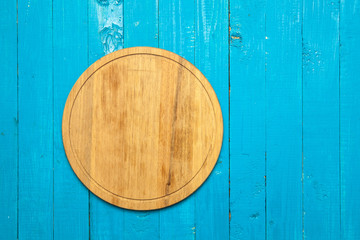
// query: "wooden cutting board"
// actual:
[[142, 128]]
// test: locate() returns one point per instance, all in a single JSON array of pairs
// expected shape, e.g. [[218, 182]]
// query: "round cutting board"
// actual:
[[142, 128]]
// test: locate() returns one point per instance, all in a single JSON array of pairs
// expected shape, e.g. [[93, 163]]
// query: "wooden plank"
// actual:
[[141, 29], [247, 120], [349, 118], [284, 120], [8, 121], [71, 198], [35, 120], [177, 34], [105, 23], [321, 120], [141, 23], [211, 57]]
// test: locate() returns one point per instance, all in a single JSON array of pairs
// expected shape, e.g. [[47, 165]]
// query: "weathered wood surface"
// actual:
[[36, 127], [288, 69], [8, 122], [70, 60], [321, 162], [247, 101]]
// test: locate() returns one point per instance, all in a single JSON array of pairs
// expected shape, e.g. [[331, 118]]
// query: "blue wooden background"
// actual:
[[286, 72]]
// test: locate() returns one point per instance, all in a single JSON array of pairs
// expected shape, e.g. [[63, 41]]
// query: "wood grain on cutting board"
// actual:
[[142, 128]]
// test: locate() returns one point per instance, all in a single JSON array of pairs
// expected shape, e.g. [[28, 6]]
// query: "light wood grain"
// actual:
[[142, 128]]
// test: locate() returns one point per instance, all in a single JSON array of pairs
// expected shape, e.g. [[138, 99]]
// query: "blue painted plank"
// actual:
[[8, 121], [211, 57], [177, 34], [35, 120], [105, 36], [141, 29], [71, 198], [350, 118], [247, 119], [141, 26], [284, 120], [321, 120]]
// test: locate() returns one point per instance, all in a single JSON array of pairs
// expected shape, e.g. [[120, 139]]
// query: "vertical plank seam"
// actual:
[[229, 92], [340, 175], [123, 46], [53, 117], [88, 63], [158, 45], [158, 23], [195, 10], [302, 123], [17, 118], [195, 15], [265, 125]]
